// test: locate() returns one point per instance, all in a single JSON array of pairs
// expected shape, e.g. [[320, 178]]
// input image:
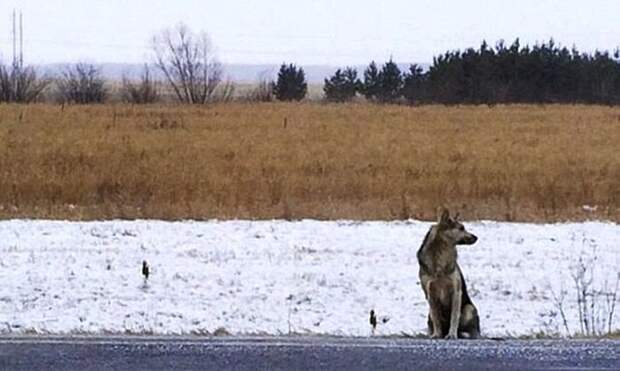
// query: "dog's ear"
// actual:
[[444, 219], [456, 217]]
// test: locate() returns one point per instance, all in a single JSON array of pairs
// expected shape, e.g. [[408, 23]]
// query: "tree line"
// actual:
[[543, 73]]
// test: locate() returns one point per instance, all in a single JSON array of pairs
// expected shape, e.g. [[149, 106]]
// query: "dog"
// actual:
[[452, 314]]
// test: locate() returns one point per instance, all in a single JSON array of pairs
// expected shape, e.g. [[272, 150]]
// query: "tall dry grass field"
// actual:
[[355, 161]]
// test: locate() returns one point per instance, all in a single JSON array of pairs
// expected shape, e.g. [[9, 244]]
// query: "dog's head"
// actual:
[[452, 230]]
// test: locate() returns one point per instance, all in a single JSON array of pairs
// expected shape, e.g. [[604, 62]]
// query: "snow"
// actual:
[[280, 277]]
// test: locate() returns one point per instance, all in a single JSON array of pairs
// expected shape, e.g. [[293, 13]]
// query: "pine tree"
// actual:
[[291, 84], [414, 85], [390, 83], [371, 85], [342, 86]]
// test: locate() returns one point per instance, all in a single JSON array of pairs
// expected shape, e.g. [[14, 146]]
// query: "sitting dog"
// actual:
[[452, 313]]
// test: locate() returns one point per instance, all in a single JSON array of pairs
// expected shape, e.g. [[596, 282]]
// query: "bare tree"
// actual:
[[263, 91], [20, 84], [225, 92], [189, 64], [82, 83], [145, 90]]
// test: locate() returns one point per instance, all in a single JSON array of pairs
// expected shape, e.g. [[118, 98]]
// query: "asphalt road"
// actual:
[[301, 353]]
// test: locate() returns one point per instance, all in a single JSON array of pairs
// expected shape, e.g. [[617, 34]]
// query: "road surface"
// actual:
[[302, 353]]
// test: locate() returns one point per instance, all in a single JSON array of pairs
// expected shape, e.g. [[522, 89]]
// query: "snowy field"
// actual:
[[278, 277]]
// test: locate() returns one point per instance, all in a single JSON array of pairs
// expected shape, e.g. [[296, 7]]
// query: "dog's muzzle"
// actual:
[[469, 240]]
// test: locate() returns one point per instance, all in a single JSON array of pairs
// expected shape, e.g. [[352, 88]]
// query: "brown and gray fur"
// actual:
[[452, 313]]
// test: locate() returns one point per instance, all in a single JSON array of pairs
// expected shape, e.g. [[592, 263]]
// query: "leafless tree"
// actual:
[[189, 64], [82, 84], [20, 84], [263, 91], [225, 92], [146, 90]]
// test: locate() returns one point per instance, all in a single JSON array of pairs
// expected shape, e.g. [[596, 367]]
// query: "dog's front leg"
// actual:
[[436, 322], [434, 302], [455, 313]]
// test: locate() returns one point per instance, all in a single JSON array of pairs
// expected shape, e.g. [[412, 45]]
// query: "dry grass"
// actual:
[[356, 161]]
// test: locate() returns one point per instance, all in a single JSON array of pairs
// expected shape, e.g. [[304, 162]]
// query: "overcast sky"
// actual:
[[307, 32]]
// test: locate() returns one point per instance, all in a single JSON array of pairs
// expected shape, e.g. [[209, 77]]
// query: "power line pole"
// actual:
[[14, 42], [14, 70], [21, 41]]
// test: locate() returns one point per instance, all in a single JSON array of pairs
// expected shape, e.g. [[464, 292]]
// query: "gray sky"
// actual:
[[309, 32]]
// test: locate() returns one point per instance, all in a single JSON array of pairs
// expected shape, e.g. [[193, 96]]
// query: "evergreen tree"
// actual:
[[342, 86], [291, 84], [371, 85], [414, 85], [390, 83]]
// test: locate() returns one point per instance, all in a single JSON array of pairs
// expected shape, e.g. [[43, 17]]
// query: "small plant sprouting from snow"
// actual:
[[595, 293]]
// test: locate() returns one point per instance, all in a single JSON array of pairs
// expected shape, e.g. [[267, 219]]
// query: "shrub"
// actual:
[[262, 92], [20, 85], [82, 84], [144, 91]]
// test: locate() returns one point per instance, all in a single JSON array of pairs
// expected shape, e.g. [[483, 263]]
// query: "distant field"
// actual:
[[356, 161]]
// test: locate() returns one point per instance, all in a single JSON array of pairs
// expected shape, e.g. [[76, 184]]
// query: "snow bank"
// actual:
[[278, 277]]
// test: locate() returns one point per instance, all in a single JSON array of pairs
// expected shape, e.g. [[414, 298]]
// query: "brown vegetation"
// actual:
[[357, 161]]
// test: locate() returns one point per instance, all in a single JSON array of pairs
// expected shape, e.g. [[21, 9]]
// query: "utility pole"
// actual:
[[14, 42], [21, 41], [14, 69]]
